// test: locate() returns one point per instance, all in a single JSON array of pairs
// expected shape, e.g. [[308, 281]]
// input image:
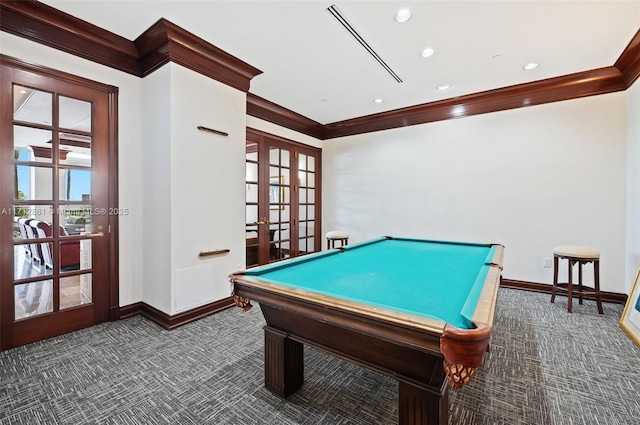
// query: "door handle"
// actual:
[[96, 235]]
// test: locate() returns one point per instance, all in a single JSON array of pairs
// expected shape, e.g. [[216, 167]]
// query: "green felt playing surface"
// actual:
[[426, 278]]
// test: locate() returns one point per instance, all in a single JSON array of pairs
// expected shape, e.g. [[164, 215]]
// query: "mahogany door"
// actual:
[[57, 220], [282, 198]]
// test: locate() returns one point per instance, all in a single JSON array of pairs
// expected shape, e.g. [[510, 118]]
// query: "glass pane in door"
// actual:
[[75, 185], [32, 257], [32, 106], [279, 203], [75, 149], [74, 114], [251, 201], [75, 219], [33, 183], [32, 144], [32, 299], [306, 203], [75, 290]]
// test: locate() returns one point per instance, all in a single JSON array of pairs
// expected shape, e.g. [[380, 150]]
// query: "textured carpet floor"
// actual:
[[545, 367]]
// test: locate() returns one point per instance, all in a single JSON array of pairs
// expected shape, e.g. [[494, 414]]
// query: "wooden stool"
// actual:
[[337, 235], [581, 255]]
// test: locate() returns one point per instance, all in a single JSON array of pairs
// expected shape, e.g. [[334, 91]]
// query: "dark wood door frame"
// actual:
[[111, 309], [265, 141]]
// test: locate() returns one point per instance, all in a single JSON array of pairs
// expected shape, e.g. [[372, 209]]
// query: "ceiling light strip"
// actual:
[[333, 9]]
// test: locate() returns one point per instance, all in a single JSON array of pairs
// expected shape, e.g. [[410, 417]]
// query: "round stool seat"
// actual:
[[576, 251], [337, 234]]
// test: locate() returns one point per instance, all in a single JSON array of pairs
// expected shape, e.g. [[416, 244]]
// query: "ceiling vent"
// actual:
[[333, 9]]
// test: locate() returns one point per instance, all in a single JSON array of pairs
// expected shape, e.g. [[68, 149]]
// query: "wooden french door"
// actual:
[[57, 195], [282, 198]]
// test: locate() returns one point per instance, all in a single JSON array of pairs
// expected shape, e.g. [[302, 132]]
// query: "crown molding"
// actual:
[[166, 42], [45, 25], [274, 113], [163, 42], [629, 61], [573, 86]]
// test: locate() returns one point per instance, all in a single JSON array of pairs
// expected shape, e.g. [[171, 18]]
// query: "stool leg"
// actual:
[[555, 278], [570, 285], [596, 278], [580, 282]]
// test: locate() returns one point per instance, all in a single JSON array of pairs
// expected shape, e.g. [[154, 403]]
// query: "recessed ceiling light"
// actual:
[[530, 66], [427, 52], [444, 86], [378, 100], [403, 15]]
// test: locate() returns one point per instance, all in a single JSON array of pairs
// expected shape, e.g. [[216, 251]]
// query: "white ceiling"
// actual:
[[312, 66]]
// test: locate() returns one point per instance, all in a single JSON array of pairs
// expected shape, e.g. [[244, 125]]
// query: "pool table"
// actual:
[[420, 311]]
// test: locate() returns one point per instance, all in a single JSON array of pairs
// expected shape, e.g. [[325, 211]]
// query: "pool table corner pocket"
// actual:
[[463, 351]]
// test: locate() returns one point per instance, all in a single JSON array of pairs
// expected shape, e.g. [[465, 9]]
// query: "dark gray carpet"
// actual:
[[545, 367]]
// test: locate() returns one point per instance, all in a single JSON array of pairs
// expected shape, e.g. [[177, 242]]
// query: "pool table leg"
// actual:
[[422, 407], [283, 363]]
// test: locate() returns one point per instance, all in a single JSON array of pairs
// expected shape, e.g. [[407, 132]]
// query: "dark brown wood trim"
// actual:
[[545, 288], [629, 61], [319, 241], [582, 84], [131, 310], [53, 73], [7, 315], [114, 234], [251, 132], [166, 42], [49, 26], [269, 111], [163, 42], [171, 322]]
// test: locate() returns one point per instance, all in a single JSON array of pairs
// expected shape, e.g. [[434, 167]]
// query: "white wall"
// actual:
[[207, 187], [155, 190], [193, 188], [633, 183], [530, 178]]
